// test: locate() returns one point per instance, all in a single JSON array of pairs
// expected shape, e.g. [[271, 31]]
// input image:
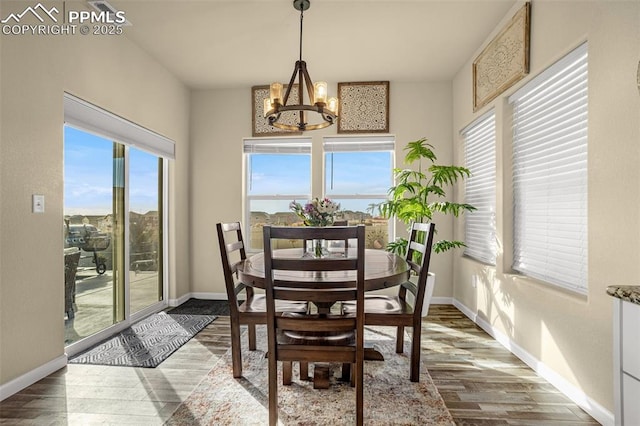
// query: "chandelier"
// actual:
[[316, 94]]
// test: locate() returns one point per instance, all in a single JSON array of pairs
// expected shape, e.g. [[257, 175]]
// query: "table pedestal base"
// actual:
[[371, 354]]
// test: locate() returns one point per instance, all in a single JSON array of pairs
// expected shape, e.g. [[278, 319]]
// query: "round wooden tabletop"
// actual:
[[382, 270]]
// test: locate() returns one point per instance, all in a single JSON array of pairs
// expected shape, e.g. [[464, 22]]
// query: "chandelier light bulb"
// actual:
[[267, 106], [275, 93], [332, 105], [320, 92]]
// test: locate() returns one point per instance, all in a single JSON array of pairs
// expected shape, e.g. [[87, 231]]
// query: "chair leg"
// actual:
[[236, 351], [287, 372], [346, 373], [358, 373], [273, 390], [400, 340], [415, 353], [304, 370], [252, 337]]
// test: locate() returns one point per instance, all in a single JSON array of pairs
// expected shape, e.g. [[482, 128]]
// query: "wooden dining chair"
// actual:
[[398, 311], [315, 337], [251, 310]]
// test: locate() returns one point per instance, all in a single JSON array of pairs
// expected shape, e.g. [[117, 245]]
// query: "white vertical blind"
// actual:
[[550, 174], [480, 188]]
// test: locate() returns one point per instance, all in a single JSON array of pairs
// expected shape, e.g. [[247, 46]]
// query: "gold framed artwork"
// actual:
[[259, 124], [364, 107], [504, 61]]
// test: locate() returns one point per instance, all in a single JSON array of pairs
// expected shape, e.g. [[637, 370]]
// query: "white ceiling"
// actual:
[[234, 43]]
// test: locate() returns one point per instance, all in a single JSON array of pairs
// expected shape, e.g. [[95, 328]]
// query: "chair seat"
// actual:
[[330, 338], [380, 304], [258, 304]]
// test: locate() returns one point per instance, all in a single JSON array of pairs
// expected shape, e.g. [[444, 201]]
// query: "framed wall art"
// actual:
[[259, 124], [504, 61], [363, 107]]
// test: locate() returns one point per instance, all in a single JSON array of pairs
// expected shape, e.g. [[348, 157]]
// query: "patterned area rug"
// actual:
[[389, 397], [146, 343], [202, 307]]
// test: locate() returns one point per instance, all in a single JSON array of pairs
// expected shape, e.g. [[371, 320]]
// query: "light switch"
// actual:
[[38, 203]]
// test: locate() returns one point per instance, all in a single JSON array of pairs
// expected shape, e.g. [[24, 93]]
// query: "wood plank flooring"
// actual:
[[481, 382]]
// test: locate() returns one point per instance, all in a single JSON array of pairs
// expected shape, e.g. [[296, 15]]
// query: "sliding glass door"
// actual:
[[113, 216], [91, 211], [145, 230]]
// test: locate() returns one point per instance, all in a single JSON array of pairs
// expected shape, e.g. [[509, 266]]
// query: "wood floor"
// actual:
[[480, 381]]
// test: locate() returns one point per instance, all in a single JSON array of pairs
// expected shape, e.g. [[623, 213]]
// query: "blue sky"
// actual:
[[360, 173], [88, 179], [88, 175]]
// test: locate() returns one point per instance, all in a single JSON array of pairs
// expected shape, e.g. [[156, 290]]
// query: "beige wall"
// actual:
[[570, 335], [217, 130], [35, 71]]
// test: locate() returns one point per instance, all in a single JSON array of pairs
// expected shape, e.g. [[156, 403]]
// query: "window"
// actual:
[[358, 172], [480, 191], [550, 174], [278, 171]]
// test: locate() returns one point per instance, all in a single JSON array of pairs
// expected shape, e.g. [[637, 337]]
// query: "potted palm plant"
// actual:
[[418, 194]]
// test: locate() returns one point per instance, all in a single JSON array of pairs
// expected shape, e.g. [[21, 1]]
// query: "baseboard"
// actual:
[[197, 295], [442, 300], [595, 410], [27, 379]]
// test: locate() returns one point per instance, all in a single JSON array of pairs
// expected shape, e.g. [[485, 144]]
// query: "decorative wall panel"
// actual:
[[363, 107], [504, 61]]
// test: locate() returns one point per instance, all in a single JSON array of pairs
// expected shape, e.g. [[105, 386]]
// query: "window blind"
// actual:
[[93, 119], [277, 146], [358, 143], [480, 191], [550, 174]]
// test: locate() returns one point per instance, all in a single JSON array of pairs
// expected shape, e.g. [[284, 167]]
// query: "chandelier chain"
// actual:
[[301, 17]]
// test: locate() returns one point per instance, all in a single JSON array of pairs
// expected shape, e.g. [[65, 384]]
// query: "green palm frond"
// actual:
[[451, 208], [417, 150], [448, 175], [444, 245]]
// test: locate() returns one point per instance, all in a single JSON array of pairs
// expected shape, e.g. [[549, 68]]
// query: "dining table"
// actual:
[[382, 270]]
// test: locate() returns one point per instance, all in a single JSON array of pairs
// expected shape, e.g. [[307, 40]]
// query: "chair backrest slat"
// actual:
[[228, 250], [420, 244], [327, 264]]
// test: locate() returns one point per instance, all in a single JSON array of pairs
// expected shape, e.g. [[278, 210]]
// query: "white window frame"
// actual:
[[479, 140], [274, 145], [550, 146], [377, 143]]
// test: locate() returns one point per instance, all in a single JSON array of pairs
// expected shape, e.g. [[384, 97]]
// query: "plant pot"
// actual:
[[428, 293]]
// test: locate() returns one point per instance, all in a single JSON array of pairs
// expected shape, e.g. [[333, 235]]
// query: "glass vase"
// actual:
[[317, 248]]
